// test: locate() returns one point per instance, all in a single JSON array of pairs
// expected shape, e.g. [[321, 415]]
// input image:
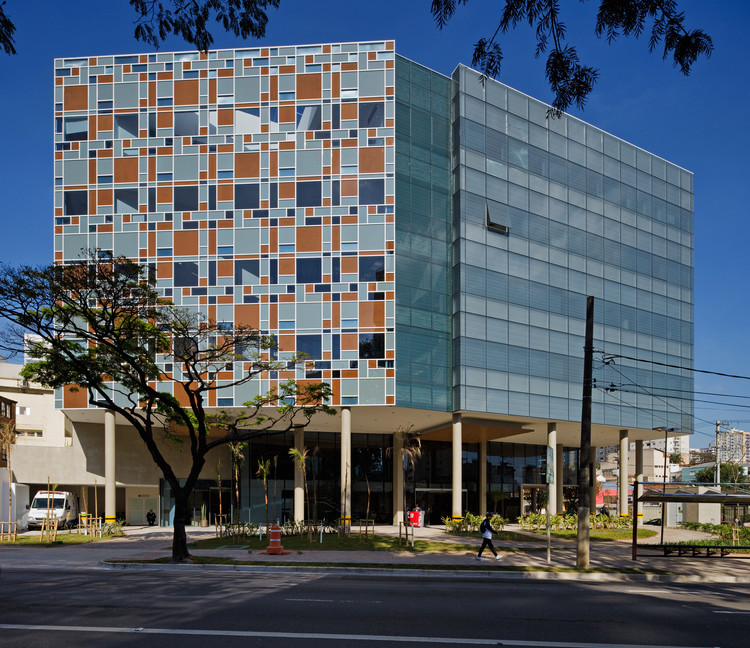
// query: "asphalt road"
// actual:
[[184, 610]]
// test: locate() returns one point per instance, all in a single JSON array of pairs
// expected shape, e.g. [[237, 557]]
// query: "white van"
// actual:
[[61, 504]]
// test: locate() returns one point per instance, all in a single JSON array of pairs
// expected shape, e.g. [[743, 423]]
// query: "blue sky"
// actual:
[[696, 122]]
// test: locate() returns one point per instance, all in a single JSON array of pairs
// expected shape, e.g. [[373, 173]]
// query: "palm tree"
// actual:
[[7, 439], [411, 450], [237, 452], [300, 461], [264, 469]]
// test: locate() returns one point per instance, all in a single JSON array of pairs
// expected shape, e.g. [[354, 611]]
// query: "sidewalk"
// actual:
[[148, 543]]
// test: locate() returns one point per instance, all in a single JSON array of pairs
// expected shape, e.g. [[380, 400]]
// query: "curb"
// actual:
[[596, 577]]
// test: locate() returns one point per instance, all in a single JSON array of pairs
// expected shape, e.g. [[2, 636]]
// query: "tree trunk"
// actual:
[[179, 539]]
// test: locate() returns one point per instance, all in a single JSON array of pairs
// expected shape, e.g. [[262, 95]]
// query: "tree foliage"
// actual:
[[7, 29], [731, 473], [571, 82], [190, 19], [101, 327]]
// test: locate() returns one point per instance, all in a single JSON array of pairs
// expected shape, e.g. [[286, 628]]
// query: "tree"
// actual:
[[264, 468], [187, 18], [237, 453], [7, 439], [410, 447], [300, 458], [100, 326], [7, 28], [570, 80], [731, 473], [675, 458]]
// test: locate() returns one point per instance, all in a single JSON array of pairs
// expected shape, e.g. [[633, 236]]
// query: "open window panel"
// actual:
[[492, 225]]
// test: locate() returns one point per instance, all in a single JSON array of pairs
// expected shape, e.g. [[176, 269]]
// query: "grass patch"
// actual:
[[62, 539], [601, 535], [332, 542], [507, 536]]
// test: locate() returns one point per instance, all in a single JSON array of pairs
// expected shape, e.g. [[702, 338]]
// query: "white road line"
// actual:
[[731, 611], [327, 636], [313, 600]]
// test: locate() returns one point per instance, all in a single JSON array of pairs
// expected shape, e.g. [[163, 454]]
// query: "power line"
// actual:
[[608, 359]]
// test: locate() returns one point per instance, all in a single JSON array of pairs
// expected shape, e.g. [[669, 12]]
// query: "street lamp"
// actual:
[[664, 485]]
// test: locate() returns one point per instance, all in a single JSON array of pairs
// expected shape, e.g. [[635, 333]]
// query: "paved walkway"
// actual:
[[146, 543]]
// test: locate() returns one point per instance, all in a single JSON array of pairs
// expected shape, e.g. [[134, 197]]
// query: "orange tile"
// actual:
[[309, 86], [186, 92], [126, 169], [246, 165]]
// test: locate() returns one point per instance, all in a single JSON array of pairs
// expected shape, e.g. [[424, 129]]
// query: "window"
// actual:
[[311, 345], [309, 194], [371, 268], [308, 118], [29, 433], [186, 123], [185, 348], [126, 126], [186, 273], [308, 271], [371, 115], [247, 121], [75, 203], [372, 345], [126, 201], [246, 196], [185, 198], [23, 411], [76, 128], [371, 192], [246, 272]]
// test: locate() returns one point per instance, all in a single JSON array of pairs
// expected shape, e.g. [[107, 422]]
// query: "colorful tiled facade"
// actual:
[[260, 185]]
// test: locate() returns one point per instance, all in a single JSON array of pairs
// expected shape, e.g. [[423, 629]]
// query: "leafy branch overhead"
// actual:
[[571, 81], [190, 19]]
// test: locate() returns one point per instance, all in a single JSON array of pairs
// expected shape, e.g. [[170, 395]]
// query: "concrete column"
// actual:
[[346, 463], [398, 480], [299, 483], [622, 482], [110, 480], [456, 504], [552, 450], [593, 479], [559, 497], [639, 476], [482, 458]]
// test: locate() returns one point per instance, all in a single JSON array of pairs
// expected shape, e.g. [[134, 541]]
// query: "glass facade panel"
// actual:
[[577, 248]]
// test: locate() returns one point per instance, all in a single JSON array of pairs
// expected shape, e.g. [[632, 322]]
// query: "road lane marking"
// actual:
[[731, 611], [328, 636], [314, 600]]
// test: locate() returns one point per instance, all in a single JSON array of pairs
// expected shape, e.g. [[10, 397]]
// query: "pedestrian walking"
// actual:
[[486, 530]]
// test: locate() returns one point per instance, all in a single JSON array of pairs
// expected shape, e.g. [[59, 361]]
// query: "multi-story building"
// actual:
[[734, 446], [429, 241]]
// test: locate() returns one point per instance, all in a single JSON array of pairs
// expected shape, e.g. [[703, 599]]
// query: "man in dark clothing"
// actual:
[[151, 517], [486, 530]]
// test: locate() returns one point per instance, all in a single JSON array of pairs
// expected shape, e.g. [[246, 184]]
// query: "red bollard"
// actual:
[[275, 547]]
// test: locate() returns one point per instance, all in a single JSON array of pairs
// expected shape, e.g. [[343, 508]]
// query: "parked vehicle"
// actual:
[[59, 504]]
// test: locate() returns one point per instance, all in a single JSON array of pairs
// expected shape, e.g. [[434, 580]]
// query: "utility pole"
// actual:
[[584, 454], [718, 455]]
